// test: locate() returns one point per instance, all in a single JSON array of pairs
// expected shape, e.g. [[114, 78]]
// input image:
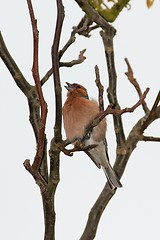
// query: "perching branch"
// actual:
[[97, 120]]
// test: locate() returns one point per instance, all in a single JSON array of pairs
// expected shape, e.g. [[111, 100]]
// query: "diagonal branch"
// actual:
[[13, 68], [152, 113], [78, 29], [80, 59], [134, 82]]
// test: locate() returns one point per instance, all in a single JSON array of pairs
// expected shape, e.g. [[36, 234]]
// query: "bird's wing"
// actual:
[[106, 148]]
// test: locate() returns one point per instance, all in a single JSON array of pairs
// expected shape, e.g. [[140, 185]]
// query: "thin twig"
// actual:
[[150, 139], [43, 105], [131, 109], [100, 89], [46, 76], [71, 40], [68, 43], [133, 81], [80, 59], [78, 147]]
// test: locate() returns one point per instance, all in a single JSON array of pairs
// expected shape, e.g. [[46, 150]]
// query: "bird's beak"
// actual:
[[69, 86]]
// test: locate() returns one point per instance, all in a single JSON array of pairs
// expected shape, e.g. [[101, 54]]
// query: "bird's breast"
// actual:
[[77, 115]]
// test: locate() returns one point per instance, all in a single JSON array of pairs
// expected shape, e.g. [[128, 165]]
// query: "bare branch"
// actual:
[[13, 68], [85, 26], [100, 89], [152, 113], [55, 66], [54, 150], [43, 105], [36, 175], [78, 147], [107, 37], [131, 109], [150, 139], [46, 76], [134, 82], [121, 161], [80, 59], [96, 212]]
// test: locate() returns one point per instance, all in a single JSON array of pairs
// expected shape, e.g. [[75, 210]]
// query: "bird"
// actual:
[[78, 112]]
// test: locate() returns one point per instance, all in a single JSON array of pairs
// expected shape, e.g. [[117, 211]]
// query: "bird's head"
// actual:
[[76, 90]]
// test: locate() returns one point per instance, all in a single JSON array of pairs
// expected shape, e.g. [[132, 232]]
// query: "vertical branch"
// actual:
[[43, 106], [49, 199], [54, 151], [55, 66], [100, 89], [107, 37]]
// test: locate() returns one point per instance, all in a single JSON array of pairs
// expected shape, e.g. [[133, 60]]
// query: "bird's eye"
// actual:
[[78, 86]]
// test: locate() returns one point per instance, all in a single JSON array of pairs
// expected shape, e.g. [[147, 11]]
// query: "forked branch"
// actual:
[[134, 82]]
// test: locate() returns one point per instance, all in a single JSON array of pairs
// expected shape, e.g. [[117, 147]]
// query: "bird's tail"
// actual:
[[112, 177]]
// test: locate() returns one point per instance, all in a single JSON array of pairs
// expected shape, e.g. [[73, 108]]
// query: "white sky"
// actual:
[[134, 211]]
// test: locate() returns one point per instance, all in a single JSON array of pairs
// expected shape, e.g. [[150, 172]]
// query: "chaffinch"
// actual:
[[78, 112]]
